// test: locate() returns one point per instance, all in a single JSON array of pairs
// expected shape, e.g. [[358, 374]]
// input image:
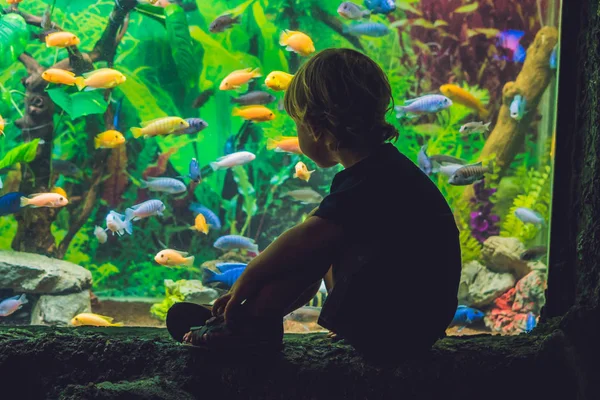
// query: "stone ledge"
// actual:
[[143, 363]]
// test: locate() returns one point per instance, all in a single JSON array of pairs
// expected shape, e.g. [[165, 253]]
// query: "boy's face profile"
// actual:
[[315, 145]]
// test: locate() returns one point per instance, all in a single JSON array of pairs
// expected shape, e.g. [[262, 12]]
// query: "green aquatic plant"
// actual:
[[246, 190], [102, 273], [181, 45], [537, 196], [23, 153], [13, 38], [470, 247], [78, 104], [172, 295]]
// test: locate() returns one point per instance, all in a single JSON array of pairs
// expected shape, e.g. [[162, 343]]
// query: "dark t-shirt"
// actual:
[[400, 255]]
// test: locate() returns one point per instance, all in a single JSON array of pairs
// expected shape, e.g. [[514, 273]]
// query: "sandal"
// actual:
[[254, 334]]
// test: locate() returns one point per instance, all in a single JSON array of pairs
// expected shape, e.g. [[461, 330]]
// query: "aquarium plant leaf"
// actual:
[[440, 22], [80, 103], [116, 183], [178, 32], [240, 9], [405, 5], [13, 38], [23, 153], [469, 8], [153, 12], [71, 6], [247, 191], [268, 41], [422, 23]]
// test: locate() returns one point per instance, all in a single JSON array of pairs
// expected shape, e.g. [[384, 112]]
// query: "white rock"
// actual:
[[467, 277], [488, 285], [192, 291], [34, 273], [502, 254], [60, 309]]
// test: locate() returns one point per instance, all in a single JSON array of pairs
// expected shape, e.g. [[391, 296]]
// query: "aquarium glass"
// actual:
[[139, 134]]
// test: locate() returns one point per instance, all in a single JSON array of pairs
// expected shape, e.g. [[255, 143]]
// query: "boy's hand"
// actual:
[[220, 304], [244, 288]]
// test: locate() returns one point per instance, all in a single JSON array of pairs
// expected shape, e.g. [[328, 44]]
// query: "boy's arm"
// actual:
[[306, 251]]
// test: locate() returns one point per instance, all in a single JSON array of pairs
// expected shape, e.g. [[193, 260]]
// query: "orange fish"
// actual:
[[102, 78], [297, 42], [287, 144], [461, 96], [302, 171], [109, 140], [254, 113], [62, 39], [62, 76], [13, 1], [2, 125], [553, 145], [237, 78], [200, 224], [60, 191], [50, 200], [171, 258], [90, 319], [278, 80]]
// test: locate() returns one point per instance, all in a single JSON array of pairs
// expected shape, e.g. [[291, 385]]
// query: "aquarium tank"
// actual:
[[145, 156]]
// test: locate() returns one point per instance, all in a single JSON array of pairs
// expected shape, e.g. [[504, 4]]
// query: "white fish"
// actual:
[[144, 210], [474, 127], [527, 215], [100, 234], [166, 185], [115, 222], [232, 160], [12, 304], [305, 196], [447, 169]]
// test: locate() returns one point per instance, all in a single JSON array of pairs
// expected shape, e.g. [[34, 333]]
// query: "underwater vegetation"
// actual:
[[161, 125]]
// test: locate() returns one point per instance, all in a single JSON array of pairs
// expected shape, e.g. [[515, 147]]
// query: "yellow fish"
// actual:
[[50, 200], [278, 80], [297, 42], [461, 96], [160, 126], [287, 144], [2, 125], [90, 319], [109, 140], [60, 191], [62, 76], [171, 258], [200, 224], [254, 113], [61, 39], [302, 171], [102, 78], [237, 78], [13, 1]]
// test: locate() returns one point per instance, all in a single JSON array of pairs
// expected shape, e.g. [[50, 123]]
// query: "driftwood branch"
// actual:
[[506, 139]]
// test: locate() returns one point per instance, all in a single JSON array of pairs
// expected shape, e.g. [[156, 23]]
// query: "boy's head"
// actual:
[[339, 99]]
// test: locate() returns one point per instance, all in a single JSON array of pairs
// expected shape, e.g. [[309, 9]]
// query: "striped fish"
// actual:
[[468, 174], [211, 218], [231, 242], [318, 300], [166, 185], [144, 210]]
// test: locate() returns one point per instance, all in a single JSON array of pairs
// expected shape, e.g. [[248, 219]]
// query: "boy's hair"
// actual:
[[345, 93]]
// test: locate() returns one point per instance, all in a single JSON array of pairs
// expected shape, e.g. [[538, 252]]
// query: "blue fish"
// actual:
[[430, 103], [466, 316], [194, 171], [517, 107], [510, 39], [226, 266], [228, 278], [374, 29], [229, 145], [211, 218], [117, 116], [195, 126], [530, 322], [424, 162], [10, 203], [380, 6], [554, 58], [231, 242]]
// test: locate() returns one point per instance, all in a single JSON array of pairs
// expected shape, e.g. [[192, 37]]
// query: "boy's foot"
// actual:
[[263, 334], [334, 336]]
